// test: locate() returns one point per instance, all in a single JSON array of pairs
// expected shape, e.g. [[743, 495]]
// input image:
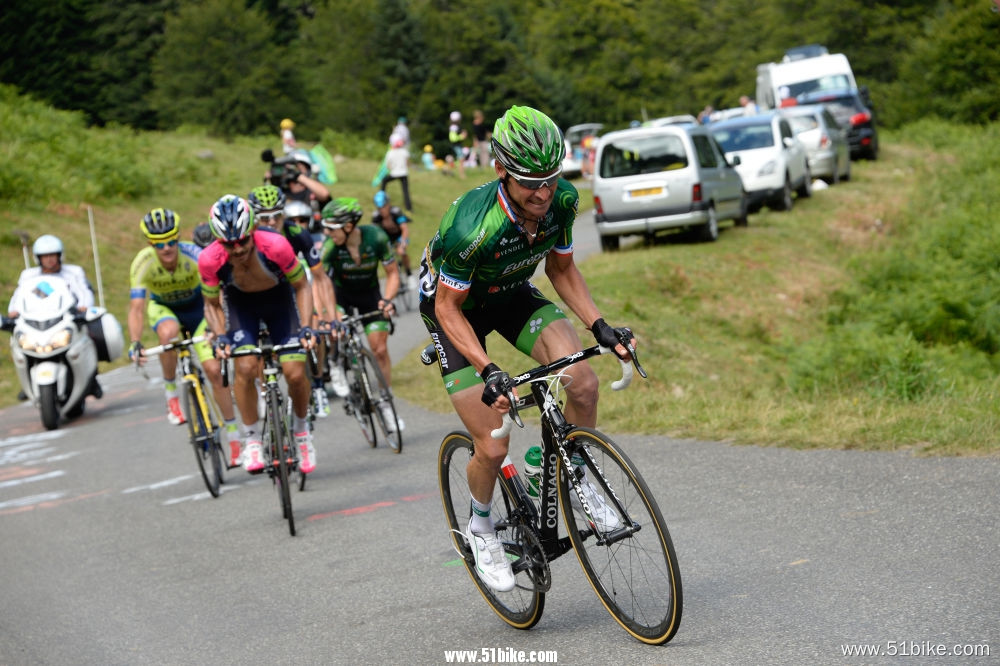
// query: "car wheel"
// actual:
[[784, 200], [743, 218], [806, 188], [609, 243], [709, 232]]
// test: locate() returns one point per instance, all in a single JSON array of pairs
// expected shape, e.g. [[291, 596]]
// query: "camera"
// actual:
[[284, 170]]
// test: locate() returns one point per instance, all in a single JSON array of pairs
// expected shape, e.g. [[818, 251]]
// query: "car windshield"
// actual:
[[829, 82], [746, 137], [803, 123], [638, 155]]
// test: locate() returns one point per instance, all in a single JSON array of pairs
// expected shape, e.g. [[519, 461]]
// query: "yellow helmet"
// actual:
[[287, 123]]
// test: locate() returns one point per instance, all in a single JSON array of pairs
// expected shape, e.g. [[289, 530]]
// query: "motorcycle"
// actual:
[[56, 348]]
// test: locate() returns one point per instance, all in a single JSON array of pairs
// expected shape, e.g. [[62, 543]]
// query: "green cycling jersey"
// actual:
[[479, 248], [362, 274]]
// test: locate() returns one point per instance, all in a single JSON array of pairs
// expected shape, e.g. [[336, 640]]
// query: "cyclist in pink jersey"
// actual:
[[263, 281]]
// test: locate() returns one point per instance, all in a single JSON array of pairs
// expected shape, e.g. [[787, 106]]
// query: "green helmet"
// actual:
[[341, 211], [266, 198], [526, 142]]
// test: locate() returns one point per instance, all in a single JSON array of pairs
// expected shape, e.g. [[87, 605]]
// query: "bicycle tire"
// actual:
[[201, 441], [360, 402], [637, 578], [406, 295], [289, 415], [522, 607], [281, 447], [381, 395]]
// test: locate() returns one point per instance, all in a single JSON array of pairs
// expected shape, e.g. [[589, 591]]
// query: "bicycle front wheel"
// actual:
[[522, 607], [633, 568], [204, 444], [383, 408], [359, 400], [281, 449]]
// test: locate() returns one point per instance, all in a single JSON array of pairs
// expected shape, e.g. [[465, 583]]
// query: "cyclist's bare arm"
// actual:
[[568, 282], [136, 317], [214, 315], [304, 302], [391, 282], [323, 289]]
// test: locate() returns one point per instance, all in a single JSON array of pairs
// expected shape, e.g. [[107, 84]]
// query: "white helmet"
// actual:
[[47, 244]]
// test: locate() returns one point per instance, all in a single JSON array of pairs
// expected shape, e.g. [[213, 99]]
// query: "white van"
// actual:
[[787, 80]]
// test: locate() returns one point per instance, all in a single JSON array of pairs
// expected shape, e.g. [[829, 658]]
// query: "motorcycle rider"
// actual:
[[48, 251]]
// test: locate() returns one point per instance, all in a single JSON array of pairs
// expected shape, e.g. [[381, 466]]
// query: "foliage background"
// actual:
[[237, 66]]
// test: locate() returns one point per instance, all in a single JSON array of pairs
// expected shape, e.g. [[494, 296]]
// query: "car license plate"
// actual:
[[645, 192]]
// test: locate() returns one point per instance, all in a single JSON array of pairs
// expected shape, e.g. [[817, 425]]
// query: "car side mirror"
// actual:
[[735, 161], [788, 141]]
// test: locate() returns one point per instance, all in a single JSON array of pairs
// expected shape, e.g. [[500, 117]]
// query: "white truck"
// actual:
[[778, 81]]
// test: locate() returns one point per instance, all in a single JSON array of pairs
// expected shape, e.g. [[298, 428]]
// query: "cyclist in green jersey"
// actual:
[[351, 255], [475, 276]]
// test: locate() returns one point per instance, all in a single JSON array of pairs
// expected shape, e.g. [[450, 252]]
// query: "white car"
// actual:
[[772, 162]]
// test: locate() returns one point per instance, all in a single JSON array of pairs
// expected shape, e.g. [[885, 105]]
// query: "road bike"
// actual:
[[281, 456], [626, 553], [204, 420], [407, 294], [370, 399]]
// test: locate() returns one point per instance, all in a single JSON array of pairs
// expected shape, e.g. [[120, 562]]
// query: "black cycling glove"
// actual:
[[611, 337], [497, 383]]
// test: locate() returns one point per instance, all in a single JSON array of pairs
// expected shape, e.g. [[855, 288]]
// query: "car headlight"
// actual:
[[29, 342]]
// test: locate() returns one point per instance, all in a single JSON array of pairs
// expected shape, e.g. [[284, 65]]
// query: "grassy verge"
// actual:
[[720, 325]]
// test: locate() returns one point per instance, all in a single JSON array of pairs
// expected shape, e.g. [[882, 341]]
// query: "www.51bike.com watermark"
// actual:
[[495, 655], [915, 649]]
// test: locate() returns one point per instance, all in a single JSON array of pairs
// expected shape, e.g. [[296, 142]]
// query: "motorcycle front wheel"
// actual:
[[48, 403]]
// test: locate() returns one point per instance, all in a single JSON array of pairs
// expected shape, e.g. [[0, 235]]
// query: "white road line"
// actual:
[[158, 484], [31, 479]]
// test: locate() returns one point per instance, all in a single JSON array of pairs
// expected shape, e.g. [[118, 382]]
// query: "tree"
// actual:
[[218, 67]]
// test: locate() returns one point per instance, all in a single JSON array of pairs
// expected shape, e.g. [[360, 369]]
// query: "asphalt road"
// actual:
[[113, 553]]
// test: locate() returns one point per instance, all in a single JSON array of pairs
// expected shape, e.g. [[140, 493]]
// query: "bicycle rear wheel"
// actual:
[[522, 607], [204, 444], [359, 400], [289, 415], [636, 576], [281, 449], [383, 408]]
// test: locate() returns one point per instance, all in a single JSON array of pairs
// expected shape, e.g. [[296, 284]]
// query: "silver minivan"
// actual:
[[649, 179]]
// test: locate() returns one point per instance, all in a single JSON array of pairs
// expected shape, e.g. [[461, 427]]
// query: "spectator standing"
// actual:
[[400, 131], [749, 106], [480, 139], [397, 163], [428, 158], [287, 137], [457, 135], [705, 116]]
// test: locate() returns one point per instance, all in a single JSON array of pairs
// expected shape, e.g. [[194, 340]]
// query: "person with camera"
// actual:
[[293, 173]]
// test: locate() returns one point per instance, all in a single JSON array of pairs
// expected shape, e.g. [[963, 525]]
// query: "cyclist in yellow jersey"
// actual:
[[165, 290]]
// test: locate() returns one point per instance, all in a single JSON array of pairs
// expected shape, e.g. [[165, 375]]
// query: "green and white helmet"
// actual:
[[341, 211], [527, 142]]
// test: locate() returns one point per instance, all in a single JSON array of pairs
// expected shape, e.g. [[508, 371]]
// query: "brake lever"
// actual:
[[635, 359]]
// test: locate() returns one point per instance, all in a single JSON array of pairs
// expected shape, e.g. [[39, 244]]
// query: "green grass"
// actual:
[[863, 319]]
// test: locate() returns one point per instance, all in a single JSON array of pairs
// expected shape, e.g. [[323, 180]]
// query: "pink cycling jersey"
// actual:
[[273, 251]]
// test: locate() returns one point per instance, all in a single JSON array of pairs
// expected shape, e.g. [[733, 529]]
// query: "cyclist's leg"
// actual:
[[244, 329], [378, 340], [465, 389], [539, 328], [164, 323]]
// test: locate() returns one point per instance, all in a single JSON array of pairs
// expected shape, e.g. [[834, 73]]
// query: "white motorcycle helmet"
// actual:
[[47, 244]]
